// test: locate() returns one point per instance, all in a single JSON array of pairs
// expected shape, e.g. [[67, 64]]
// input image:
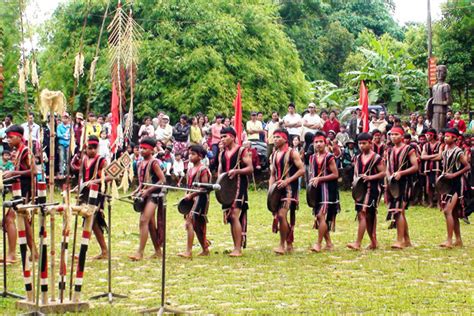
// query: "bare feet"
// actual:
[[458, 243], [204, 253], [235, 253], [407, 244], [316, 248], [354, 246], [372, 246], [446, 244], [156, 255], [289, 248], [136, 257], [280, 250], [329, 247], [186, 254], [397, 245], [101, 256], [9, 260]]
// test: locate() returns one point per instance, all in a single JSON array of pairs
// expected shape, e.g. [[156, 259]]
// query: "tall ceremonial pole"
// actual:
[[78, 72]]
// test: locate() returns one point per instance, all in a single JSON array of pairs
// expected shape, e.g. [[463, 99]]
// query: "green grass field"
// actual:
[[424, 279]]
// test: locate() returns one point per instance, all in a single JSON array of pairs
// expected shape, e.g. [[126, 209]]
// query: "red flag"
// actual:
[[114, 109], [364, 102], [238, 114]]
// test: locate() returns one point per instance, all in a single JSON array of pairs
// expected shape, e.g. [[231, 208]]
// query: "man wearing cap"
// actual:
[[22, 169], [370, 167], [455, 168], [63, 134], [430, 159], [164, 131], [311, 120], [285, 170], [292, 121], [236, 161], [402, 166], [254, 127], [323, 176], [149, 171]]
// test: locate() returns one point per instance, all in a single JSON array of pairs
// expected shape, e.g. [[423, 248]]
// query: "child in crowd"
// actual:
[[6, 163], [178, 168], [342, 137], [167, 161], [104, 146]]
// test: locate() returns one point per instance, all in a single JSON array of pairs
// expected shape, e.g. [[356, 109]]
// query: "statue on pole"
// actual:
[[441, 100]]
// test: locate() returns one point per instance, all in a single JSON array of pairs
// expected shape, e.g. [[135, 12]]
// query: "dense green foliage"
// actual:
[[324, 31], [194, 52], [455, 48], [192, 56]]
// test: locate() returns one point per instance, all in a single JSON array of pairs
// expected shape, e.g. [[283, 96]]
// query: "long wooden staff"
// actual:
[[22, 89], [83, 135], [68, 184]]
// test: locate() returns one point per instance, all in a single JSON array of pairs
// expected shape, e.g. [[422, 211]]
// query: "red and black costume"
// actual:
[[231, 159], [327, 192], [284, 168], [201, 202], [431, 168], [373, 187]]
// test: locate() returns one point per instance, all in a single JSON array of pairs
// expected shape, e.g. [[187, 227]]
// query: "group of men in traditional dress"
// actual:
[[387, 169]]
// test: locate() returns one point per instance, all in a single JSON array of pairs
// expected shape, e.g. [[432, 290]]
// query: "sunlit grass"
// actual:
[[424, 279]]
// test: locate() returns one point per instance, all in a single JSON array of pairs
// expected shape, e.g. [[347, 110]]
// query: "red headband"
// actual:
[[451, 134], [282, 135], [230, 134], [397, 130], [92, 142], [15, 134], [319, 136], [430, 133], [146, 146]]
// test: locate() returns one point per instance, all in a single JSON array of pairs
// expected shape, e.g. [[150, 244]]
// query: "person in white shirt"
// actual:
[[104, 146], [147, 127], [164, 132], [311, 120], [35, 129], [178, 168], [293, 121]]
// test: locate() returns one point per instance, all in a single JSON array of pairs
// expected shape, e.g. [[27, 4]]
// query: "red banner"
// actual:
[[431, 71], [238, 114], [364, 102]]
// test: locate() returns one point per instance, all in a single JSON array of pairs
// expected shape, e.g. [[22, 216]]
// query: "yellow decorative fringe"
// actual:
[[21, 80], [34, 73], [79, 66], [115, 192]]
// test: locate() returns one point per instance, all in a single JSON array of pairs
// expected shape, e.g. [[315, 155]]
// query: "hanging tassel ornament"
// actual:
[[21, 80], [130, 172], [79, 66], [93, 66], [124, 182], [115, 191], [34, 73]]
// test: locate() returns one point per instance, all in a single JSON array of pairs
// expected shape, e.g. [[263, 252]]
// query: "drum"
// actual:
[[442, 185], [359, 188], [311, 195], [274, 198], [393, 187], [228, 192], [185, 206], [139, 204]]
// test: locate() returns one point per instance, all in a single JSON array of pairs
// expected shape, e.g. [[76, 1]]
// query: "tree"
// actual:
[[454, 47], [388, 70], [12, 101], [192, 56], [324, 31]]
